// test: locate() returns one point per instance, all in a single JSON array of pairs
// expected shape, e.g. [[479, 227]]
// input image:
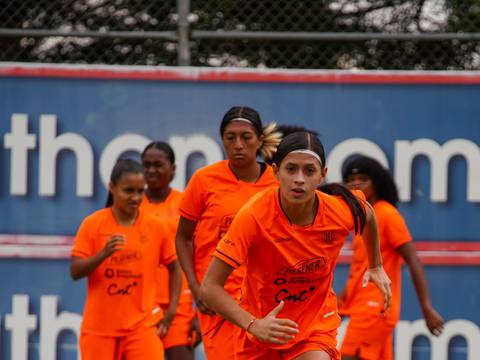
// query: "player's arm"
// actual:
[[81, 267], [433, 320], [270, 328], [341, 297], [184, 247], [174, 286], [375, 271]]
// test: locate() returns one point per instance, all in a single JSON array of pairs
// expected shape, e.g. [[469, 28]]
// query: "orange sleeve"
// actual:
[[233, 247], [193, 201], [393, 227], [82, 245]]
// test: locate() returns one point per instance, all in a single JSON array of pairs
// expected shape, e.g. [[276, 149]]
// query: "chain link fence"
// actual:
[[308, 34]]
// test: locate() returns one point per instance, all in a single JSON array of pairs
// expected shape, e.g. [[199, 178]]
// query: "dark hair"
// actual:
[[356, 207], [244, 112], [304, 140], [162, 146], [287, 130], [271, 137], [382, 180], [300, 140], [123, 166]]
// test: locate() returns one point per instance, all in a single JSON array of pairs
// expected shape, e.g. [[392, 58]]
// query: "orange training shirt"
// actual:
[[168, 210], [121, 290], [393, 233], [212, 198], [288, 262]]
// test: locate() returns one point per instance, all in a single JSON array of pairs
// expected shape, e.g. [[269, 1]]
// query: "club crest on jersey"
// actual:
[[328, 236]]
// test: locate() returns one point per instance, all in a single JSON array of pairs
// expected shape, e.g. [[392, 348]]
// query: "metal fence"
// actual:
[[310, 34]]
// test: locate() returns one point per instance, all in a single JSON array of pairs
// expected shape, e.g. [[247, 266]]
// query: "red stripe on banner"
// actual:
[[59, 247], [237, 75], [34, 240], [447, 246], [35, 246], [434, 253], [35, 251]]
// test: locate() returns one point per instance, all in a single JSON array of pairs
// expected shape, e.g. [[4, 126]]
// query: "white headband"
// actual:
[[242, 119], [308, 152]]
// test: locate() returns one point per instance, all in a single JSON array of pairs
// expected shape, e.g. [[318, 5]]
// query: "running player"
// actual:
[[177, 329], [211, 200], [119, 249], [289, 237], [369, 332]]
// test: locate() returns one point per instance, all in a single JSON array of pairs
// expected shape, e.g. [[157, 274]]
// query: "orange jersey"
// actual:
[[167, 210], [212, 198], [121, 290], [288, 262], [393, 233]]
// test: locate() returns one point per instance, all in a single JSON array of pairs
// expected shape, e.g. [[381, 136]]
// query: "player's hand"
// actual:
[[164, 324], [115, 243], [379, 277], [202, 306], [433, 320], [274, 330], [195, 335]]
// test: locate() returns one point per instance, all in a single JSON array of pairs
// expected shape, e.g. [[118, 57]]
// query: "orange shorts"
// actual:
[[179, 332], [217, 336], [247, 347], [139, 344], [369, 338]]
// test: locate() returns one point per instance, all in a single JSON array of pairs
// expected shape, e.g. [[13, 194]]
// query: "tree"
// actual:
[[328, 16]]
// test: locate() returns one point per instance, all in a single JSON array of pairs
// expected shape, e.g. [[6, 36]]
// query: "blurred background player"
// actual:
[[289, 238], [119, 249], [212, 198], [369, 332], [178, 330]]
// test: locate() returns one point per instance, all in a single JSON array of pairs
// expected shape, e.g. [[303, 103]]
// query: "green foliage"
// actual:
[[330, 16]]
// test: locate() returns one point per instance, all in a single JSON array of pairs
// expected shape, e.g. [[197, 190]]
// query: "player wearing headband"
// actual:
[[288, 238], [211, 200]]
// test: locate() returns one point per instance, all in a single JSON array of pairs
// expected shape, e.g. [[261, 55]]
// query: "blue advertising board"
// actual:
[[62, 128]]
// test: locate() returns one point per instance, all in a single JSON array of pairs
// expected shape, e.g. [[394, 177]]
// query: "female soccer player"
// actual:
[[211, 200], [289, 238], [177, 326], [369, 332], [119, 249]]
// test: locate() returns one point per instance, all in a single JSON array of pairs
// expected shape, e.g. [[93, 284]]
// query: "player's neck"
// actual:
[[158, 195], [249, 173], [300, 214], [123, 218]]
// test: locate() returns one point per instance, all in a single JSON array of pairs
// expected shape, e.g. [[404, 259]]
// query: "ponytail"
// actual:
[[109, 199], [271, 139], [356, 207]]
